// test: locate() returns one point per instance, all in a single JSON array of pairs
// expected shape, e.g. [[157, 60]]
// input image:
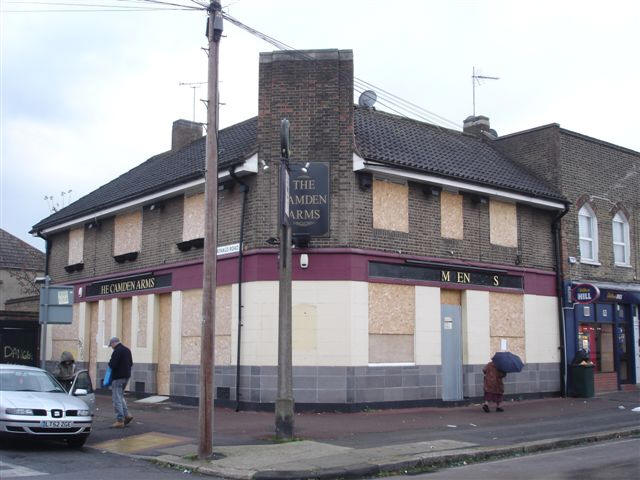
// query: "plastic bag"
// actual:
[[106, 381]]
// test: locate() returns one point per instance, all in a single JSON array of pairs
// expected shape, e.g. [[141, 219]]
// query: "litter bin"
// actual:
[[582, 380]]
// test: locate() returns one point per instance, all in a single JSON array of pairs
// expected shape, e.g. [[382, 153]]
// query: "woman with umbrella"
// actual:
[[493, 386], [494, 372]]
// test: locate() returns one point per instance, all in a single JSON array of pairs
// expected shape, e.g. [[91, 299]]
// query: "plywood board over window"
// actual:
[[193, 218], [503, 225], [224, 303], [506, 322], [76, 245], [451, 219], [390, 206], [128, 233], [391, 323]]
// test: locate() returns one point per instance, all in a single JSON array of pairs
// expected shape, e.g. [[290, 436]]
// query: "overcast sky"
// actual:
[[87, 96]]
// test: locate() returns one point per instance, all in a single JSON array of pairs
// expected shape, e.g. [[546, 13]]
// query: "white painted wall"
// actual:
[[476, 346], [542, 336], [427, 332]]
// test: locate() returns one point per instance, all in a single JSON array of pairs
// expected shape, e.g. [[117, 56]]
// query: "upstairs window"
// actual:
[[588, 233], [621, 244]]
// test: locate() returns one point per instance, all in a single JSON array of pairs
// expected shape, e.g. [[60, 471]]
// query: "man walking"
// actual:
[[120, 364]]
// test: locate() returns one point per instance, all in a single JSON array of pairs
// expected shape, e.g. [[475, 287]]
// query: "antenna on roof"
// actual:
[[476, 78], [367, 98], [193, 86]]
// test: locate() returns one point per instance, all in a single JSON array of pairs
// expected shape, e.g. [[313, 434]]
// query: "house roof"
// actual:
[[405, 143], [16, 254], [379, 137], [163, 171]]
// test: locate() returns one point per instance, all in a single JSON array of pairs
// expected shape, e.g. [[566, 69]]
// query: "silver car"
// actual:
[[34, 404]]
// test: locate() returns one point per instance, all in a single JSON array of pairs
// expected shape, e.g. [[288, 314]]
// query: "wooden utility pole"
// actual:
[[284, 400], [205, 410]]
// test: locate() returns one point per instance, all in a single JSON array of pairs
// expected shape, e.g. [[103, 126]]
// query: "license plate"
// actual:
[[55, 424]]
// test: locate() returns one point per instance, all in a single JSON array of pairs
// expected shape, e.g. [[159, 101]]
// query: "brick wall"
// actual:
[[581, 166]]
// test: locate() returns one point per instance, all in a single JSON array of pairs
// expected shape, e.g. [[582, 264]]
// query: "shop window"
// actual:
[[597, 341], [451, 219], [390, 206], [503, 226], [621, 250], [588, 233]]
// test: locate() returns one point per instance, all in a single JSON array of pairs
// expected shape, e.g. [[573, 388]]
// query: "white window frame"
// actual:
[[620, 217], [587, 211]]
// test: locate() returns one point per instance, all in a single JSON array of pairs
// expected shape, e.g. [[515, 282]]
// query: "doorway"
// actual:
[[451, 328]]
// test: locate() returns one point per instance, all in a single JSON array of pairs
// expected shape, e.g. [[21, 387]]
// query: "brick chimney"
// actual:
[[476, 125], [184, 132]]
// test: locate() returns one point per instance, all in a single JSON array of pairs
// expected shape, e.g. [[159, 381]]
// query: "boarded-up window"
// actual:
[[503, 224], [391, 323], [506, 323], [224, 303], [390, 206], [451, 220], [76, 245], [128, 233], [193, 218]]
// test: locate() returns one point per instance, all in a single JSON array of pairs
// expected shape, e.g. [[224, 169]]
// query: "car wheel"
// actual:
[[76, 442]]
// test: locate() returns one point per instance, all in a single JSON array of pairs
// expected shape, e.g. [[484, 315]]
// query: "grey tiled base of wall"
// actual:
[[357, 385], [143, 377]]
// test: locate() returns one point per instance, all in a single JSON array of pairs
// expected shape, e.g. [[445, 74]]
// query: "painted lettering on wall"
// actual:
[[17, 353], [129, 284]]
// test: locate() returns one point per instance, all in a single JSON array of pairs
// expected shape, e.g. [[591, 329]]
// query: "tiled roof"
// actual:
[[163, 171], [426, 148], [379, 136], [14, 253]]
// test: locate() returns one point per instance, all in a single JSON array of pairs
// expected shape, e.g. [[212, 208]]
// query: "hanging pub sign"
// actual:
[[584, 293], [136, 283], [309, 199]]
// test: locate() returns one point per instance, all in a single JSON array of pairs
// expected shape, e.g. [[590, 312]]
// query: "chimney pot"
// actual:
[[476, 125], [184, 132]]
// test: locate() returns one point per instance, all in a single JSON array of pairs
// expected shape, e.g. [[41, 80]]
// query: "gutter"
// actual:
[[244, 188], [557, 251]]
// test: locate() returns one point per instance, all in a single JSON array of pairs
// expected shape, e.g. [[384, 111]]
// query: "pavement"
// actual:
[[363, 444]]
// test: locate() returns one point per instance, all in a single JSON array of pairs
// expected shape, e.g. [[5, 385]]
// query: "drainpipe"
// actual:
[[557, 250], [244, 188]]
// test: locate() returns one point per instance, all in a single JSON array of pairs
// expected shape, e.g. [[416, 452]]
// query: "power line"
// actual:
[[359, 85]]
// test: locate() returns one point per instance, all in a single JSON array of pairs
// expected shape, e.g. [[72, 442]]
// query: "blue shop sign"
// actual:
[[584, 293]]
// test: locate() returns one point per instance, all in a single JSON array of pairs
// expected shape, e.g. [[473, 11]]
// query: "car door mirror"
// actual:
[[79, 392]]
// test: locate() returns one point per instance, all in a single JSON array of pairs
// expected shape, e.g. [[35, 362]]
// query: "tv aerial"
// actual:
[[367, 99], [476, 79]]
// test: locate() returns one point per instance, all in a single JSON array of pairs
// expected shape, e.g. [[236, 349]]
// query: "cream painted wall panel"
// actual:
[[359, 325], [103, 353], [427, 336], [475, 327], [83, 331], [193, 218], [260, 324], [148, 315], [542, 335], [176, 327], [76, 245], [503, 225], [451, 220], [128, 233]]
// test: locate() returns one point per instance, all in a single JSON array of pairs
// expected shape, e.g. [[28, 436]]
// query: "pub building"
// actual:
[[419, 252]]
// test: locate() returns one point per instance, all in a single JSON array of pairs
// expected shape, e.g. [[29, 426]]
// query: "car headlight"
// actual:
[[83, 413], [19, 411]]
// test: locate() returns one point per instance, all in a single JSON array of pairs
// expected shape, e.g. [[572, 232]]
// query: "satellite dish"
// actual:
[[367, 98]]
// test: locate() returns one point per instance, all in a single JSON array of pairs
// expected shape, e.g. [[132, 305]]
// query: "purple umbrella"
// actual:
[[507, 362]]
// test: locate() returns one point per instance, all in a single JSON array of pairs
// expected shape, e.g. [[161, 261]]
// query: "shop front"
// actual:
[[605, 327]]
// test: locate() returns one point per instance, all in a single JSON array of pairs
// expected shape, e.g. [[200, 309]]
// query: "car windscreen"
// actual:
[[28, 381]]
